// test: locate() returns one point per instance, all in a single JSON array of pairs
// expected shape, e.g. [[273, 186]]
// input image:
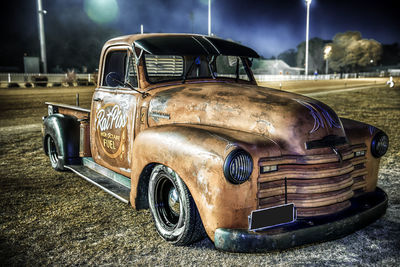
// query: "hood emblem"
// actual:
[[158, 114], [320, 115]]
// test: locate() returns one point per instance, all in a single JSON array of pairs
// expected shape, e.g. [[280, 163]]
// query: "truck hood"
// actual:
[[290, 120]]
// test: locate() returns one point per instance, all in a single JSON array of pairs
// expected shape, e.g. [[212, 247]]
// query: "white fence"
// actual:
[[33, 79], [280, 77], [267, 78]]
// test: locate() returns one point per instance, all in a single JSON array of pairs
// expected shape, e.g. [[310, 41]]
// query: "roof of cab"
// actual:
[[183, 44]]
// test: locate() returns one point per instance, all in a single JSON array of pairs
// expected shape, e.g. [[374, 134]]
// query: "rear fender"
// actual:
[[64, 130]]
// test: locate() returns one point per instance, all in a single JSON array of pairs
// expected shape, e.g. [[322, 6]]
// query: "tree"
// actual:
[[351, 53], [289, 56], [390, 54], [315, 54]]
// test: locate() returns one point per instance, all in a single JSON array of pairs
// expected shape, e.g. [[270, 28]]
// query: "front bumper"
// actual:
[[364, 210]]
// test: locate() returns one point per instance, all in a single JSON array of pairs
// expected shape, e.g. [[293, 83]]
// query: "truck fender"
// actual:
[[362, 133], [64, 130], [197, 154]]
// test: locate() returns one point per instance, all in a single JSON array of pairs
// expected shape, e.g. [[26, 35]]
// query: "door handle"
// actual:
[[97, 99]]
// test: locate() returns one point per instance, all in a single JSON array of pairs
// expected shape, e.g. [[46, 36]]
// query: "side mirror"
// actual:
[[113, 79]]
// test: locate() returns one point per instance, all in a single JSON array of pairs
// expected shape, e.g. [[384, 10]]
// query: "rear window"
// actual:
[[163, 68]]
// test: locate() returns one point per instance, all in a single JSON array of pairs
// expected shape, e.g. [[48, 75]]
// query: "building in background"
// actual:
[[31, 65], [274, 67]]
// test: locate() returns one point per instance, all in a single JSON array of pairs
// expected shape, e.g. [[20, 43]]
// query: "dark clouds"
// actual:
[[269, 26]]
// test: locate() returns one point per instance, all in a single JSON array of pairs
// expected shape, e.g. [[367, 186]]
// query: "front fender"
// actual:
[[362, 133], [64, 130], [197, 155]]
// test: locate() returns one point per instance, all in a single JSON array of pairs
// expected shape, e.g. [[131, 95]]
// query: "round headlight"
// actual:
[[238, 166], [379, 144]]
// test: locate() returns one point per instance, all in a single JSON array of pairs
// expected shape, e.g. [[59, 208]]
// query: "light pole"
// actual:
[[308, 2], [42, 40], [191, 16], [326, 66], [209, 17], [327, 53]]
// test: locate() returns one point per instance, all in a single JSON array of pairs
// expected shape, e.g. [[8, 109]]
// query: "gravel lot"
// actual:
[[50, 218]]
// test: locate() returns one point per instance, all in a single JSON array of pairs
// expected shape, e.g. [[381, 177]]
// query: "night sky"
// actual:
[[269, 26]]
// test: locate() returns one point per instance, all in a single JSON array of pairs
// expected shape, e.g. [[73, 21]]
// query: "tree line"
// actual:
[[346, 52]]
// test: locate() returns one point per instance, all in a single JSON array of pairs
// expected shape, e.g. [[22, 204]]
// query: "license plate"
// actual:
[[271, 217]]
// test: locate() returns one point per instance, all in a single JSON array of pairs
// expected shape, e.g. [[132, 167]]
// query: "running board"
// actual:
[[107, 184]]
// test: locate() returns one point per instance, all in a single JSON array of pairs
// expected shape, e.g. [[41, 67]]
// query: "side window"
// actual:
[[114, 68]]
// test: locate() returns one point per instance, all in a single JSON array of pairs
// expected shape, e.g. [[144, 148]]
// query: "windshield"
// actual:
[[162, 68]]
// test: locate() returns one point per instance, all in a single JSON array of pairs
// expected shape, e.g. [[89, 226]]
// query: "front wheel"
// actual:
[[174, 212]]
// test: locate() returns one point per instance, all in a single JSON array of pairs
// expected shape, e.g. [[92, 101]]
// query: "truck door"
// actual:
[[114, 111]]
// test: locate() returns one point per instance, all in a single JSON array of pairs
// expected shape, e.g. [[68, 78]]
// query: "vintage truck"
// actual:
[[178, 125]]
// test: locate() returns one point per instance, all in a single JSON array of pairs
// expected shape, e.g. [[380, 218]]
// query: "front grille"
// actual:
[[317, 185]]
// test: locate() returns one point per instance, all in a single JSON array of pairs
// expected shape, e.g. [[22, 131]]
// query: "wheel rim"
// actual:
[[51, 146], [173, 201], [167, 202]]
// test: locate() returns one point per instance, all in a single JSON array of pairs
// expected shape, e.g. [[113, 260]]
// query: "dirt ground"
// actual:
[[51, 218]]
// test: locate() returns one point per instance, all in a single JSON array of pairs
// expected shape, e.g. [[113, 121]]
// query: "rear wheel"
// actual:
[[53, 152], [174, 212]]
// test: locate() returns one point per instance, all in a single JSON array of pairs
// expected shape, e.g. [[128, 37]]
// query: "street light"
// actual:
[[42, 40], [327, 53], [308, 2], [209, 17]]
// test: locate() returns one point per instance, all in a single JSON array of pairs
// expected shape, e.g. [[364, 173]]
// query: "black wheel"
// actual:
[[174, 212], [53, 152]]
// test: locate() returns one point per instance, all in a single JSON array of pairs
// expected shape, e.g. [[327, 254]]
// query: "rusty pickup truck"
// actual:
[[178, 125]]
